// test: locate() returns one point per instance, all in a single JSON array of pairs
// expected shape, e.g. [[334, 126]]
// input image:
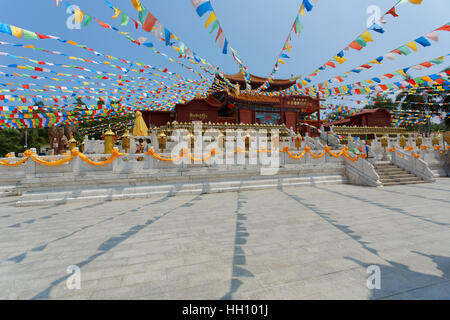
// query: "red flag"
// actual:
[[355, 45], [392, 12], [102, 24], [42, 36], [136, 24], [149, 22], [444, 28]]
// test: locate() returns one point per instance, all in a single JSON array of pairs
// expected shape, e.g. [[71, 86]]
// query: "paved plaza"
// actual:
[[312, 242]]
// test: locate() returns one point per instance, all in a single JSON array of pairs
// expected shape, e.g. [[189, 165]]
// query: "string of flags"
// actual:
[[360, 42]]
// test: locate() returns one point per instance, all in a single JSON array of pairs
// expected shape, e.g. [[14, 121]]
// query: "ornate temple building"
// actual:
[[232, 106]]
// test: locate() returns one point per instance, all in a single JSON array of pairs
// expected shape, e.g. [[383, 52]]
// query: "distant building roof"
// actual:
[[349, 119], [256, 81]]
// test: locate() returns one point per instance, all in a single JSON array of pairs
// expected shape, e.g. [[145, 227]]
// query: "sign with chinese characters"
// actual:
[[198, 116]]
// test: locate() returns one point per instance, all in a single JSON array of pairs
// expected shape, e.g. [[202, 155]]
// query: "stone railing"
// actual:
[[412, 164], [362, 172], [330, 137]]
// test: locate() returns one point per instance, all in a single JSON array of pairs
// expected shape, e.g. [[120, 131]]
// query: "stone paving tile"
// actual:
[[295, 243]]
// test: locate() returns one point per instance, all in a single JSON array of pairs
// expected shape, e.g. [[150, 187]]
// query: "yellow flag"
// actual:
[[402, 73], [340, 60], [280, 61], [16, 32], [211, 18], [416, 1], [78, 16], [136, 5], [302, 10], [412, 45], [375, 61], [367, 36], [116, 13]]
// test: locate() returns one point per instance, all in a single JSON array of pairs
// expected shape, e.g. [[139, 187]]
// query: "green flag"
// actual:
[[124, 20], [86, 20]]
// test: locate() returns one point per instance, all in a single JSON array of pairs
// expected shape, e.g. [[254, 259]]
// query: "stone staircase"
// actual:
[[391, 175]]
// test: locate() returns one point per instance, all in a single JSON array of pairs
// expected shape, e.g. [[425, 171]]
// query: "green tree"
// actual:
[[381, 101], [336, 115]]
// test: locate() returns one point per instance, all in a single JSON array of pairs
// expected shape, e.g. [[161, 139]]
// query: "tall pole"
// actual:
[[26, 139]]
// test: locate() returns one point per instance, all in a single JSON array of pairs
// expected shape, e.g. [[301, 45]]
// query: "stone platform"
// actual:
[[312, 242]]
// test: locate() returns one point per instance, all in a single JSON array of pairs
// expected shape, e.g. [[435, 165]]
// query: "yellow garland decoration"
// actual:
[[157, 156], [5, 162], [115, 154]]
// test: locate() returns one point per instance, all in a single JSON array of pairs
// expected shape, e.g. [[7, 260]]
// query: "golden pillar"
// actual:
[[109, 141]]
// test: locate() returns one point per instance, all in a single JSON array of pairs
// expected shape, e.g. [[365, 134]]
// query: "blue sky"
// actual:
[[256, 29]]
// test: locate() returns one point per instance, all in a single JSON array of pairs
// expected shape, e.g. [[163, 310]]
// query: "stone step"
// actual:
[[33, 198], [390, 171], [8, 191], [386, 167], [409, 179], [391, 175], [396, 176], [386, 184]]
